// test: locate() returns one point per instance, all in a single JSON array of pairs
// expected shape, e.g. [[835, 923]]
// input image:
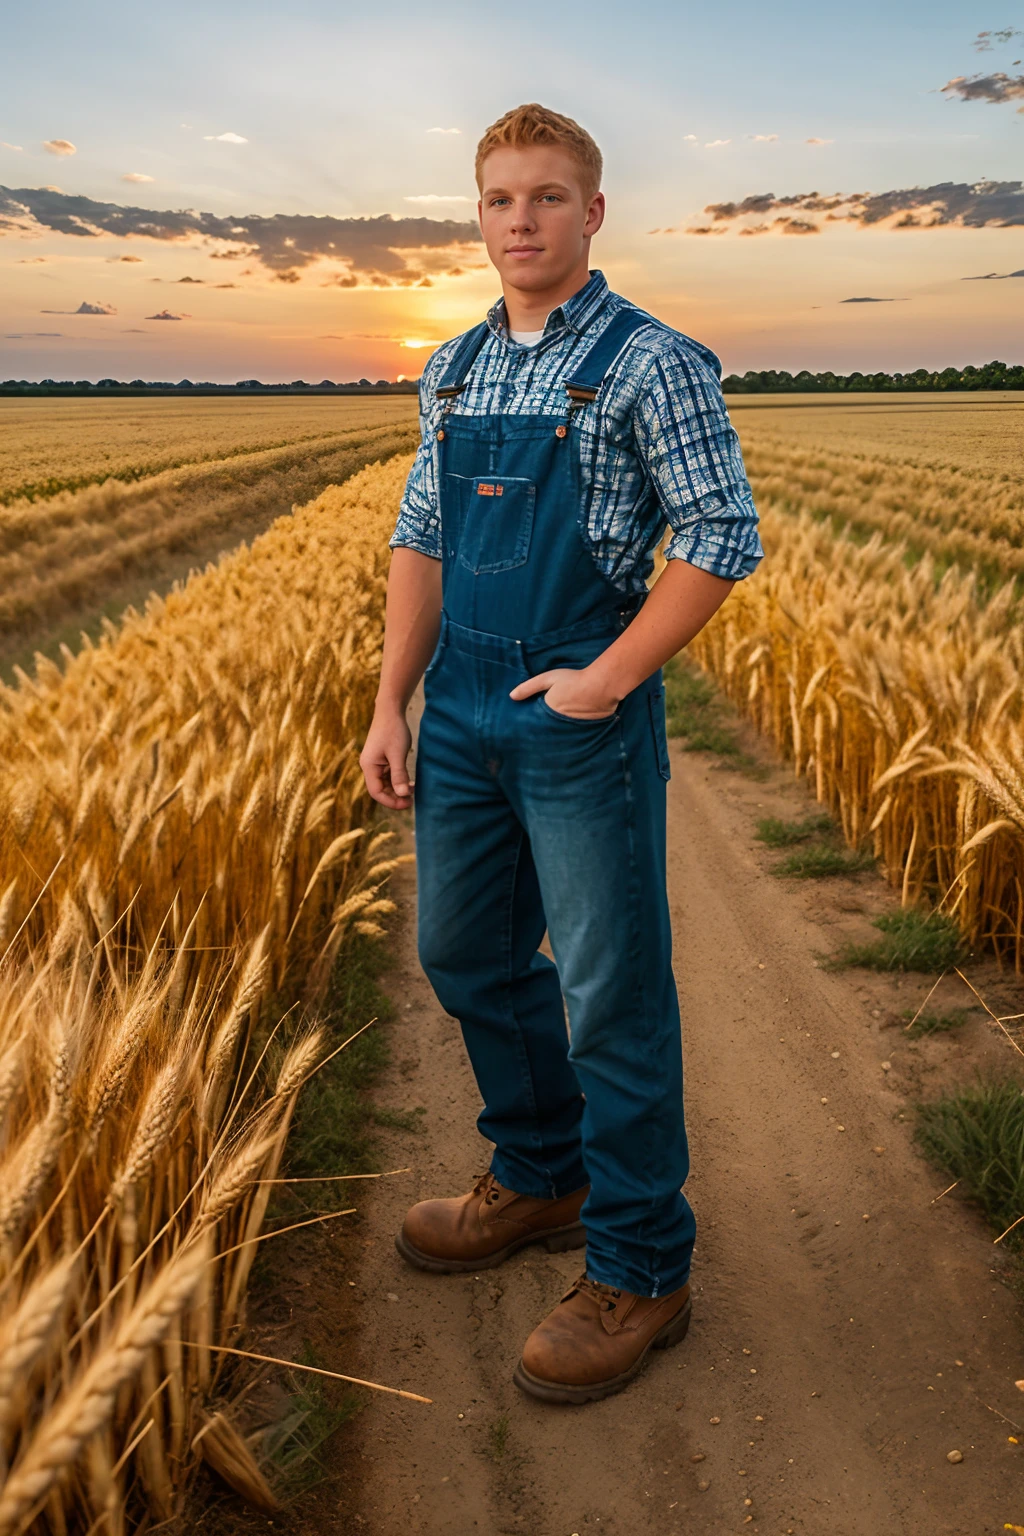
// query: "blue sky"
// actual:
[[693, 105]]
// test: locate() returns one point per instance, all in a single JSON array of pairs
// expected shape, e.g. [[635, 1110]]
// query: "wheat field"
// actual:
[[186, 845], [960, 513], [968, 432], [164, 486], [881, 646], [183, 841], [63, 444]]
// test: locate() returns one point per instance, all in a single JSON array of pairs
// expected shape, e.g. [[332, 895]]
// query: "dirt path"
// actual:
[[833, 1360]]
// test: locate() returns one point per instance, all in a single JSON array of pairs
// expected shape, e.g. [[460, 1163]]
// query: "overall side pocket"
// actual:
[[656, 704], [439, 650]]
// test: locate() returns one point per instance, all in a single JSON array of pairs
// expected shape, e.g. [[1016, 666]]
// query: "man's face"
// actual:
[[535, 221]]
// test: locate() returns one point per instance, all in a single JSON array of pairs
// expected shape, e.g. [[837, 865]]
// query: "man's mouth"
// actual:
[[523, 250]]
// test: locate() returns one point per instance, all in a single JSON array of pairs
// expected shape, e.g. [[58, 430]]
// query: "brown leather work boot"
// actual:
[[481, 1229], [596, 1340]]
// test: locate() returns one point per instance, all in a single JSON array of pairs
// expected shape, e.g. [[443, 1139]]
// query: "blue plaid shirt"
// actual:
[[656, 447]]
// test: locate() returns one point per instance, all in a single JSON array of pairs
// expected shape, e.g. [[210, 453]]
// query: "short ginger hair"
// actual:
[[534, 124]]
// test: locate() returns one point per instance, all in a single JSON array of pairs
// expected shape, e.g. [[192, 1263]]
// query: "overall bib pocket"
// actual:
[[495, 520]]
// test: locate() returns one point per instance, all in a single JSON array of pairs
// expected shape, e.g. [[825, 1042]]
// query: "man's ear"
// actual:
[[595, 214]]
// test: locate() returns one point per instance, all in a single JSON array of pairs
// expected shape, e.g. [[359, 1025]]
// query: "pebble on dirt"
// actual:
[[954, 1456], [716, 1420]]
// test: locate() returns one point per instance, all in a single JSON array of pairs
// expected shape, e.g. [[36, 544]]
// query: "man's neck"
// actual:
[[528, 311]]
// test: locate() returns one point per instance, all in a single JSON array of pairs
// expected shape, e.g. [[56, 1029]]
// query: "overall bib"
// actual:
[[529, 821]]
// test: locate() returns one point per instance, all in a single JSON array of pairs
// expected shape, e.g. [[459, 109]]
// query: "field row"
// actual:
[[183, 836], [966, 432], [973, 517], [67, 551], [49, 446]]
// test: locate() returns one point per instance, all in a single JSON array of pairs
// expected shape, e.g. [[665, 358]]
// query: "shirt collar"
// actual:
[[574, 315]]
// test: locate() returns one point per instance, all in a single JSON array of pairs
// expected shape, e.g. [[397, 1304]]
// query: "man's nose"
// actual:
[[522, 217]]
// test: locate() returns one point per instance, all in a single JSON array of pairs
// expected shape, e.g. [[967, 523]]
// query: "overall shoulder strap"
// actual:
[[454, 378], [593, 368]]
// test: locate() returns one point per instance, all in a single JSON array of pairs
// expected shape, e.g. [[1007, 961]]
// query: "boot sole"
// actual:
[[672, 1332], [557, 1240]]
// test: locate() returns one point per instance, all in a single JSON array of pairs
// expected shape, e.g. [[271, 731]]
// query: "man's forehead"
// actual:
[[524, 184], [529, 167]]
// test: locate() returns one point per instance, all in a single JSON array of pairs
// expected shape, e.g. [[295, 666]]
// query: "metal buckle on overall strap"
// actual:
[[579, 396], [448, 396]]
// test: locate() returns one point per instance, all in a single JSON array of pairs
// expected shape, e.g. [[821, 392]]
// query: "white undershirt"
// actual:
[[526, 338]]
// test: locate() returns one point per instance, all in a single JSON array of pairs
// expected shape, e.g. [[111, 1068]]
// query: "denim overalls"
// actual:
[[528, 820]]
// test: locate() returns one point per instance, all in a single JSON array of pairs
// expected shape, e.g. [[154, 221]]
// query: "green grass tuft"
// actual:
[[911, 940], [783, 834], [820, 859], [977, 1136], [334, 1119], [695, 710], [291, 1445], [400, 1119], [333, 1132], [497, 1437], [936, 1023]]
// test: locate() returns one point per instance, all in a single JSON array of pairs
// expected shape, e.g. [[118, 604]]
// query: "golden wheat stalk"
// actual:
[[88, 1403]]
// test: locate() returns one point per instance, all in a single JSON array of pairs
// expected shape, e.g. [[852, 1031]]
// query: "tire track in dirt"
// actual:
[[821, 1380]]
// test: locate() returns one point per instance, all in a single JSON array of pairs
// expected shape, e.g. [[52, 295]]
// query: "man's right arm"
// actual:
[[413, 616], [412, 623]]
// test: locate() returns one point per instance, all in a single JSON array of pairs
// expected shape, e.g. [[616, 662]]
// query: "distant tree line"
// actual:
[[766, 381], [186, 386], [777, 382]]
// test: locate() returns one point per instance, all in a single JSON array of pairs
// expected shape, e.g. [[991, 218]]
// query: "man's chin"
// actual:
[[529, 278]]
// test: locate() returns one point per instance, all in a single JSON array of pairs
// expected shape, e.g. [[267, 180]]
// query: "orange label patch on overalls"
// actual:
[[484, 489]]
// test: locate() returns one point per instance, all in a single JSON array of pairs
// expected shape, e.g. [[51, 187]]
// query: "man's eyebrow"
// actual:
[[545, 186]]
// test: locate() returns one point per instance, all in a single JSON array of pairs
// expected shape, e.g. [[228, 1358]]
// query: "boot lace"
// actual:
[[488, 1186], [606, 1296]]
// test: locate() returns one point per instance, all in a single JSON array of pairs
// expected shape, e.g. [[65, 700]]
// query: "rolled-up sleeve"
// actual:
[[692, 455], [419, 513]]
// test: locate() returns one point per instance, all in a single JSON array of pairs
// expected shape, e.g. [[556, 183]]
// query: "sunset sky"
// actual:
[[186, 191]]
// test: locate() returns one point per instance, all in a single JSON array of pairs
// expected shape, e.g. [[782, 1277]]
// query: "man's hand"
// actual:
[[410, 635], [681, 602], [578, 693], [384, 760]]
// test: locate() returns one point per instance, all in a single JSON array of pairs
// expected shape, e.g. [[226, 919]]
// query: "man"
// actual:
[[559, 439]]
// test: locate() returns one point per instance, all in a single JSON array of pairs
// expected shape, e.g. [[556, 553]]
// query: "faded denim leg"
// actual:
[[481, 921], [592, 798]]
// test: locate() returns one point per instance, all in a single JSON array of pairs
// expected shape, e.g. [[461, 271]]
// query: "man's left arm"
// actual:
[[692, 455]]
